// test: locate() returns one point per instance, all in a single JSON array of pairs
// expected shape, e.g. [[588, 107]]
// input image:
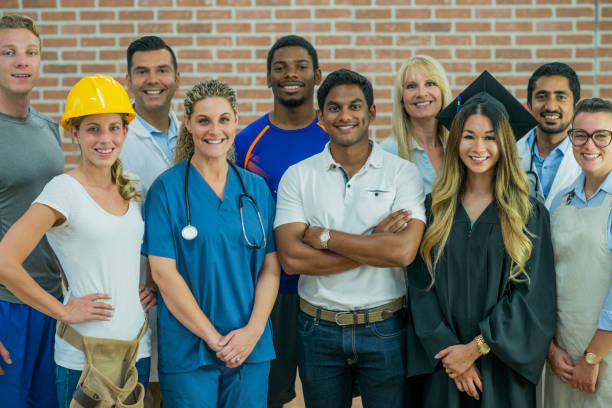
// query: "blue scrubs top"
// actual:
[[218, 266]]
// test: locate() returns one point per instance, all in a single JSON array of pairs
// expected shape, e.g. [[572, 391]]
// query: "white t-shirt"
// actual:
[[100, 253], [316, 192]]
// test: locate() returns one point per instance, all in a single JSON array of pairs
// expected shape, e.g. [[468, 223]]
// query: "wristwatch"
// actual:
[[324, 238], [483, 347], [591, 358]]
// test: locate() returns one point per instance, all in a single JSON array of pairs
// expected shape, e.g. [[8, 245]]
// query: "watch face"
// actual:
[[590, 358]]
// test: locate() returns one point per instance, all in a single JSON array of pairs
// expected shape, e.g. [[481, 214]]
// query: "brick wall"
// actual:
[[229, 39]]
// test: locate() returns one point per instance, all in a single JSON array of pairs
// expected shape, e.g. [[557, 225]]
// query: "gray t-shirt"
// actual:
[[30, 156]]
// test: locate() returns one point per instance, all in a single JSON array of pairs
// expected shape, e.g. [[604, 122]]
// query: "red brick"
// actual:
[[214, 14], [555, 2], [393, 53], [435, 53], [533, 13], [233, 54], [534, 40], [59, 68], [312, 27], [185, 67], [46, 29], [333, 40], [574, 12], [452, 40], [233, 27], [154, 28], [373, 40], [605, 93], [458, 66], [494, 66], [96, 15], [472, 2], [116, 3], [549, 53], [178, 41], [79, 55], [606, 11], [116, 28], [275, 3], [384, 80], [69, 81], [58, 15], [373, 67], [49, 56], [112, 54], [527, 66], [408, 40], [513, 26], [433, 2], [78, 29], [136, 15], [39, 3], [606, 39], [196, 54], [392, 27], [175, 15], [512, 53], [353, 53], [313, 2], [603, 25], [493, 12], [155, 3], [352, 27], [473, 27], [236, 80], [432, 27], [253, 93], [253, 14], [552, 26], [215, 67], [472, 53], [453, 13], [574, 39], [212, 40], [11, 4], [332, 13], [55, 94], [194, 28], [98, 68], [48, 81], [514, 2], [493, 40], [59, 42], [584, 53], [410, 13], [98, 42], [234, 3], [292, 14], [354, 2], [372, 14], [254, 41]]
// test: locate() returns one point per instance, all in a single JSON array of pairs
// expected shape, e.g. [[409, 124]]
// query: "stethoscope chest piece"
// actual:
[[189, 232]]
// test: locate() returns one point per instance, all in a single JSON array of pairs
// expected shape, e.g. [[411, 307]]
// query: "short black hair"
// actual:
[[555, 68], [293, 41], [149, 43], [345, 77], [593, 105]]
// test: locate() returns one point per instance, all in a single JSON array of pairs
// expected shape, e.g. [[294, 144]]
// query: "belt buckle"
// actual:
[[353, 313]]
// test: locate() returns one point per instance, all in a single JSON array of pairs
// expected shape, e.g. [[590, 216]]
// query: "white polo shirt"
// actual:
[[317, 192]]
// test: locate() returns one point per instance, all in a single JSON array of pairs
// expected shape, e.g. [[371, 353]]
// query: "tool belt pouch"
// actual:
[[109, 378]]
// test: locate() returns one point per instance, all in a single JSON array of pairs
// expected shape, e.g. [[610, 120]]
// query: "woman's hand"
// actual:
[[237, 346], [585, 376], [86, 308], [459, 358], [148, 296], [560, 363], [469, 381]]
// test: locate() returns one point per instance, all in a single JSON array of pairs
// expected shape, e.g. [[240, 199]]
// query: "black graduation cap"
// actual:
[[487, 89]]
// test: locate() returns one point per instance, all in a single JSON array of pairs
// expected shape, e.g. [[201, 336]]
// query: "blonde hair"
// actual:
[[13, 21], [200, 91], [510, 192], [127, 187], [400, 121]]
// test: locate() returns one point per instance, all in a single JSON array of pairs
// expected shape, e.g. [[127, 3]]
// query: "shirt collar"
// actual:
[[375, 159], [561, 148], [416, 146], [578, 186], [172, 128]]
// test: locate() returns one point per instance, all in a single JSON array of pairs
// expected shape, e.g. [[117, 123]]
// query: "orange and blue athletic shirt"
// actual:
[[269, 151]]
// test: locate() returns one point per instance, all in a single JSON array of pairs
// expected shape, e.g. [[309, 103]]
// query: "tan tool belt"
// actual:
[[375, 314], [109, 378]]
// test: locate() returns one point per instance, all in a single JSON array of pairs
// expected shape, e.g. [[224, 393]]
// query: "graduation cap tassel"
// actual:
[[458, 103]]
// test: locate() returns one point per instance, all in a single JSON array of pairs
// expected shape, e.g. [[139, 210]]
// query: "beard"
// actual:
[[555, 130], [292, 103]]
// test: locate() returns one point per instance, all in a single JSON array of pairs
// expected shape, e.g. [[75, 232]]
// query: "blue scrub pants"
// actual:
[[28, 335], [213, 386]]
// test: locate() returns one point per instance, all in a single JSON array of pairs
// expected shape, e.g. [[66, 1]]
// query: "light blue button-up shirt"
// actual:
[[418, 156], [579, 201], [166, 142], [547, 167]]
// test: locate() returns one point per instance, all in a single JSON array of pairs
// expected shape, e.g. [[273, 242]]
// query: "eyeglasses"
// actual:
[[601, 137]]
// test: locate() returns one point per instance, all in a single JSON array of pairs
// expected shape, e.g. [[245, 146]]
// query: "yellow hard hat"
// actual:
[[96, 94]]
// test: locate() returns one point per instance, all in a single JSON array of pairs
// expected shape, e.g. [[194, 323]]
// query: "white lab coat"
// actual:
[[566, 174]]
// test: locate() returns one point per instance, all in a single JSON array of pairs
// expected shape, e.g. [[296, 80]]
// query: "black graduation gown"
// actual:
[[473, 295]]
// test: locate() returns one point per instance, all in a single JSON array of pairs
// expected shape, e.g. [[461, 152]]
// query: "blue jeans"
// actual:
[[67, 380], [330, 357]]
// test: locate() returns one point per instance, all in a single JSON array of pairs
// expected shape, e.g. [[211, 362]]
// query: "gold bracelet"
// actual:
[[482, 345]]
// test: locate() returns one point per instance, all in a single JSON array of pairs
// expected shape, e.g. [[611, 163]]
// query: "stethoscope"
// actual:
[[531, 172], [190, 232]]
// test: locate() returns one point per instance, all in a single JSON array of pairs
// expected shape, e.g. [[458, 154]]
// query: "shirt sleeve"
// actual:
[[410, 191], [57, 195], [605, 317], [289, 203], [159, 238], [270, 241]]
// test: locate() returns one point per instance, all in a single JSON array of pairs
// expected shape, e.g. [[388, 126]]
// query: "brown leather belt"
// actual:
[[375, 314]]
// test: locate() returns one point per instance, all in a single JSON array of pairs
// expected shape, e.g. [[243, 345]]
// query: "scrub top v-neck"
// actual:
[[218, 266]]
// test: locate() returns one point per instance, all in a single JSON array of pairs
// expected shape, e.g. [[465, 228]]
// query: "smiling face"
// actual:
[[212, 125], [421, 97], [346, 115], [19, 61], [596, 161], [292, 76], [152, 80], [100, 138], [552, 104], [478, 147]]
